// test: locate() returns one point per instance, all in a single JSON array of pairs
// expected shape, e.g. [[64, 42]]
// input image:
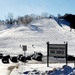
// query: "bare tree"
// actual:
[[10, 19], [44, 15]]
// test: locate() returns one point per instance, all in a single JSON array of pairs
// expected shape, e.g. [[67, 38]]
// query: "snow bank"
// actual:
[[42, 69]]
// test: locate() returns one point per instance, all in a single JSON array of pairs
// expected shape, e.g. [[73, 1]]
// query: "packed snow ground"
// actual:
[[4, 68], [35, 36]]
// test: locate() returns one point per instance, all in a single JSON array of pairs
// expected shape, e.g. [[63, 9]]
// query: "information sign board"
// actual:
[[24, 47], [57, 50]]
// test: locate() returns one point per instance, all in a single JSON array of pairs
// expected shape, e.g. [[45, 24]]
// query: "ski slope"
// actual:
[[37, 34]]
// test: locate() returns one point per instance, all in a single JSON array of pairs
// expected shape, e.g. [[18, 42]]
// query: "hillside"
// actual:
[[35, 35]]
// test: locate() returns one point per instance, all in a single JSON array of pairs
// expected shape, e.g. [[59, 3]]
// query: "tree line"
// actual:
[[70, 18], [24, 20]]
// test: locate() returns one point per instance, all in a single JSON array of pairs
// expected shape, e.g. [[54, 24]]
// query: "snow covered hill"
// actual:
[[35, 36]]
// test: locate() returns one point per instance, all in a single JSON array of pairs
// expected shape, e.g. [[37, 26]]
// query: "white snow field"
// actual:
[[35, 35]]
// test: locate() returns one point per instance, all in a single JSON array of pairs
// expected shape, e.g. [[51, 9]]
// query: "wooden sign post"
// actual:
[[56, 50], [47, 54], [24, 47], [66, 54]]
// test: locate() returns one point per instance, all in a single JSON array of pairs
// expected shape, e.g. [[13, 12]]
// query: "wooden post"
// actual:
[[74, 63], [47, 54], [24, 47], [66, 54], [24, 56]]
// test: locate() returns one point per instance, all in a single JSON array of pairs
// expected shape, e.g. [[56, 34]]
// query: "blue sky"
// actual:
[[23, 7]]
